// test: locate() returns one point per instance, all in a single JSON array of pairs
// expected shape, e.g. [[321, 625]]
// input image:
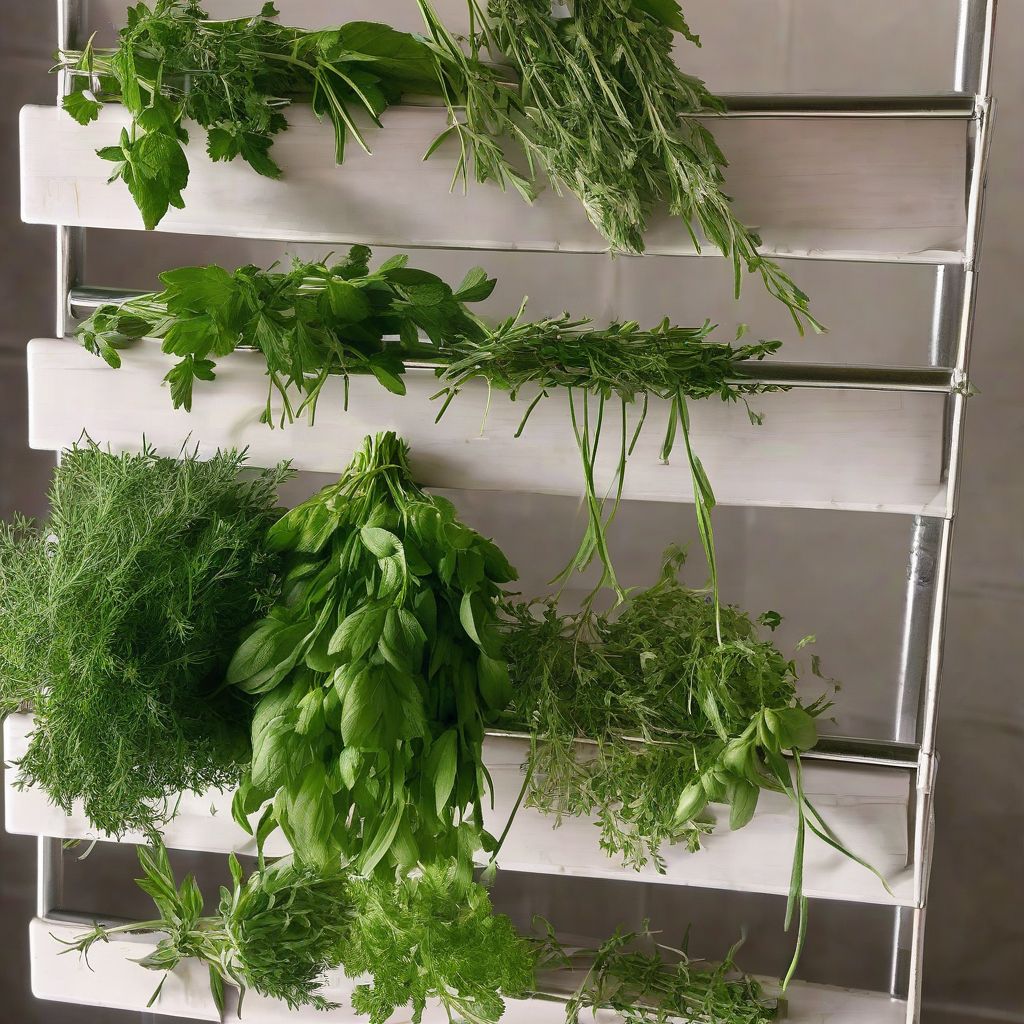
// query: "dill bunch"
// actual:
[[118, 617], [434, 936]]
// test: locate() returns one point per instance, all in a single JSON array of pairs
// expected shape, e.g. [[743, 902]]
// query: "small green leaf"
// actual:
[[742, 803], [83, 107]]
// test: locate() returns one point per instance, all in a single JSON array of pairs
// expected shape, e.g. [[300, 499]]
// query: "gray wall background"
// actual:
[[840, 575]]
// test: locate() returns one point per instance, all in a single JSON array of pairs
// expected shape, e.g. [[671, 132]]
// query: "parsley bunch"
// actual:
[[377, 671], [311, 322], [682, 711], [434, 936], [235, 79], [118, 616]]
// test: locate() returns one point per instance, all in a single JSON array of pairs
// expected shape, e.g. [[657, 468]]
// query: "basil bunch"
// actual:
[[377, 671]]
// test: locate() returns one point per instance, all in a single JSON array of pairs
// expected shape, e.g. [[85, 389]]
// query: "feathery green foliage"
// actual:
[[377, 671], [434, 936], [604, 111], [118, 616]]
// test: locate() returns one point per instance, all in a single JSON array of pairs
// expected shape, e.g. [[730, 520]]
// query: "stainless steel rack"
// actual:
[[911, 745]]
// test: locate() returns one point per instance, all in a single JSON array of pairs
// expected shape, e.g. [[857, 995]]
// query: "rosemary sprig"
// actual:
[[593, 367], [684, 711]]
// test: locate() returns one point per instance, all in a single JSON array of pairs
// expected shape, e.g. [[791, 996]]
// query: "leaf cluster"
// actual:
[[235, 79], [600, 109], [311, 322], [610, 117], [279, 931], [118, 617], [647, 982], [669, 710], [434, 936], [377, 671]]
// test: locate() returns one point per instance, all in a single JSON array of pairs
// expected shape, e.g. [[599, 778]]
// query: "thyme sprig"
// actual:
[[683, 710]]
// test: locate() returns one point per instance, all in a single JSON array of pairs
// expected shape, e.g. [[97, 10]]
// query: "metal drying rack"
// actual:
[[915, 705]]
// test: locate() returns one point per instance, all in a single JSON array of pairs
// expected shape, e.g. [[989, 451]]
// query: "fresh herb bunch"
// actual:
[[377, 672], [277, 932], [424, 939], [681, 711], [647, 982], [434, 936], [118, 617], [610, 117], [310, 322], [235, 79], [624, 362]]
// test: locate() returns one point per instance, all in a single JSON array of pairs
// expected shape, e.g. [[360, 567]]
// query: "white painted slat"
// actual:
[[872, 451], [118, 983], [817, 188], [867, 807], [110, 978]]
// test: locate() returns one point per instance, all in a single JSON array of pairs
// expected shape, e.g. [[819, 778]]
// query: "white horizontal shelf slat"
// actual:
[[871, 189], [116, 982], [861, 450], [867, 807]]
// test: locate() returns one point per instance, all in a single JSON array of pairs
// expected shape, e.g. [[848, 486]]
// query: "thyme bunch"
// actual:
[[683, 710]]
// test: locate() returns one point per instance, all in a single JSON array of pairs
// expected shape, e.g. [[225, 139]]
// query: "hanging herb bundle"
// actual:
[[604, 111], [623, 362], [647, 982], [279, 931], [377, 672], [235, 79], [433, 938], [601, 109], [321, 319], [681, 711], [311, 322], [118, 616]]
